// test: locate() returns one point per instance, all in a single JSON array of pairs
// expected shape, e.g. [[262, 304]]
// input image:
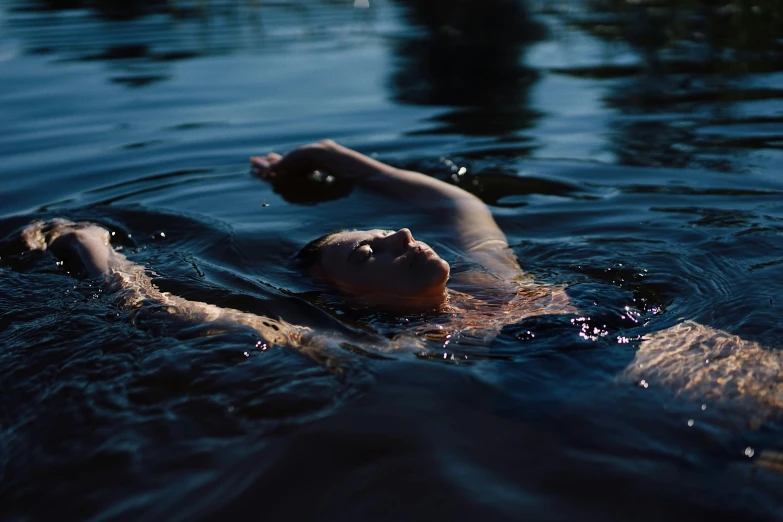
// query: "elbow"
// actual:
[[328, 144]]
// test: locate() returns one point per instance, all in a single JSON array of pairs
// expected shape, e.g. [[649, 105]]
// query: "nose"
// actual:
[[405, 235], [401, 239]]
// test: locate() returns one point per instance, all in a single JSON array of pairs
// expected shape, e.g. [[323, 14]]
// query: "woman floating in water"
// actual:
[[391, 269], [381, 268]]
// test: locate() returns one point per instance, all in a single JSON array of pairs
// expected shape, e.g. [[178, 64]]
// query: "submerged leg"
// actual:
[[707, 364]]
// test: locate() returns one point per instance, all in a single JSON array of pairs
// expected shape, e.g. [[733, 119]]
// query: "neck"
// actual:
[[407, 303]]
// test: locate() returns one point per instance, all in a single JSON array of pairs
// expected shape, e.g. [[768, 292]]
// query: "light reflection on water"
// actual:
[[627, 152]]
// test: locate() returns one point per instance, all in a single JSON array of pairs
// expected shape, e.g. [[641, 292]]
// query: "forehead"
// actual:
[[341, 244], [354, 236]]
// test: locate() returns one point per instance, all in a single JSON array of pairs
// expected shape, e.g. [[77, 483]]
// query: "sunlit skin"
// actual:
[[382, 262], [395, 265], [391, 268]]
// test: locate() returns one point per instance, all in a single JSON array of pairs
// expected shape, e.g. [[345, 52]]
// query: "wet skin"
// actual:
[[382, 262]]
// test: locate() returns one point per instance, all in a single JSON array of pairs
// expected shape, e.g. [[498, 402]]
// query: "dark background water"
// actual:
[[631, 151]]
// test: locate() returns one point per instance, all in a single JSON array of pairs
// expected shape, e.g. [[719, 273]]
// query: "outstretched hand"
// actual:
[[84, 246], [61, 236], [264, 166], [296, 176], [301, 162]]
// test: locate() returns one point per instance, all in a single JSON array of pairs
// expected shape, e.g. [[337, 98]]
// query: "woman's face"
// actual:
[[382, 262]]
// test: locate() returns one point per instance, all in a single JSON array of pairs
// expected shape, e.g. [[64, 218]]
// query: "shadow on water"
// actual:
[[706, 74], [468, 56]]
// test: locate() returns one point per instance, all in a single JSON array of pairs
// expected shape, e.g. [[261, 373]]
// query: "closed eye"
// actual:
[[362, 251], [365, 250]]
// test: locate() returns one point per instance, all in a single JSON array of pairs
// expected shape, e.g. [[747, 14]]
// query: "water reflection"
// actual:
[[138, 41], [706, 72], [468, 56], [114, 9], [129, 9]]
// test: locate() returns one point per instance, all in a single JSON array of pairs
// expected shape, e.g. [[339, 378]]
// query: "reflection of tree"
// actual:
[[469, 58], [113, 9], [136, 48], [696, 62]]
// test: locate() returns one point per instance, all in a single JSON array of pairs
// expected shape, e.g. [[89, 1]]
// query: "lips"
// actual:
[[418, 253]]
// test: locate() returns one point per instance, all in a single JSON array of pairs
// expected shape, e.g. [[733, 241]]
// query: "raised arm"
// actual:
[[85, 248], [474, 229]]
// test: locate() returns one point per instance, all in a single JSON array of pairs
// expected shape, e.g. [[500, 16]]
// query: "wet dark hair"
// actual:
[[310, 255]]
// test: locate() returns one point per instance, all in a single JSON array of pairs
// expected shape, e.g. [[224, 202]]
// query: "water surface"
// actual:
[[631, 152]]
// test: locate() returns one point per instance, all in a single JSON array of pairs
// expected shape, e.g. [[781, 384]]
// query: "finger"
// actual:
[[260, 162], [261, 168], [274, 157]]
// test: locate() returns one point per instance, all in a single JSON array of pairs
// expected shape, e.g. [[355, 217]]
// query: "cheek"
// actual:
[[387, 275], [376, 276], [395, 275]]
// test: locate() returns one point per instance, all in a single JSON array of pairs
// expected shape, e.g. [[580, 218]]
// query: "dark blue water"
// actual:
[[631, 152]]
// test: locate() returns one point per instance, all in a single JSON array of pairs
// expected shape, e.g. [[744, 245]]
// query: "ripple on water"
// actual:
[[631, 154]]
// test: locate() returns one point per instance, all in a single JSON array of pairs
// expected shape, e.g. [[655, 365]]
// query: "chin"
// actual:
[[438, 274], [445, 271]]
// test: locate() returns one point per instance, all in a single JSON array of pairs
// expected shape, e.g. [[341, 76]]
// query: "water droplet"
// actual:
[[644, 384], [703, 407], [690, 423], [462, 170], [749, 452], [162, 234]]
